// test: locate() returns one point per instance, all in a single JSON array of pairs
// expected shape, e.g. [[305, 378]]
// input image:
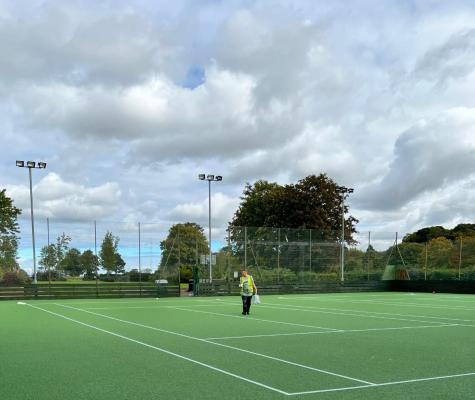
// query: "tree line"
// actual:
[[58, 259]]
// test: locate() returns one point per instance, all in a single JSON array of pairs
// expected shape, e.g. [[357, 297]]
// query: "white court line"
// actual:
[[390, 303], [218, 344], [155, 307], [370, 312], [163, 351], [315, 310], [339, 331], [251, 318], [433, 378]]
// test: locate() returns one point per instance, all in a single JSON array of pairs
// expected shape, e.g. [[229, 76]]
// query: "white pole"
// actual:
[[32, 229], [342, 239], [209, 224]]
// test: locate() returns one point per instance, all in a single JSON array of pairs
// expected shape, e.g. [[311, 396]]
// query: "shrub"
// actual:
[[19, 277], [44, 276]]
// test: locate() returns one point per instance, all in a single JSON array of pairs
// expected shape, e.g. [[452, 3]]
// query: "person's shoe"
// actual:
[[243, 313], [247, 313]]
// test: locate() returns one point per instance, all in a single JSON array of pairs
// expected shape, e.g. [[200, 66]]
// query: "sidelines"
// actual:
[[433, 378], [390, 303], [163, 351], [313, 310], [219, 344], [369, 313], [251, 318], [340, 331]]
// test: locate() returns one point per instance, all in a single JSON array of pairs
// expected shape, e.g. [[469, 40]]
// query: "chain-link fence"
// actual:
[[272, 255]]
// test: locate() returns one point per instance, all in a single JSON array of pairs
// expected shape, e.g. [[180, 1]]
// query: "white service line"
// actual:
[[370, 312], [314, 310], [163, 351], [433, 378], [339, 331], [218, 344], [391, 303], [252, 318]]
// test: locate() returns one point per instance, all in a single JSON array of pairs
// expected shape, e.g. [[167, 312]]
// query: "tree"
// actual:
[[182, 248], [119, 264], [108, 252], [8, 233], [315, 202], [8, 215], [61, 248], [8, 252], [48, 259], [71, 263], [90, 264]]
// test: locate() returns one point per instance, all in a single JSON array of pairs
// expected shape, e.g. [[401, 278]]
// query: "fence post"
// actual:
[[140, 264], [460, 256], [310, 250], [368, 253], [95, 254], [228, 262], [245, 247], [425, 263]]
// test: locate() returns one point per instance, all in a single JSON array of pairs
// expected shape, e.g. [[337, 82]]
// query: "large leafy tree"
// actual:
[[90, 263], [315, 202], [108, 254], [71, 263], [8, 232], [119, 264], [425, 235], [183, 247]]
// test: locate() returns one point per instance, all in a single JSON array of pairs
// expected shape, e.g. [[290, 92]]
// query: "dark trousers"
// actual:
[[246, 304]]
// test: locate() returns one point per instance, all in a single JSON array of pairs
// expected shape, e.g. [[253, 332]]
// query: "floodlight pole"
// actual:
[[342, 258], [30, 165], [209, 233], [32, 228], [210, 178]]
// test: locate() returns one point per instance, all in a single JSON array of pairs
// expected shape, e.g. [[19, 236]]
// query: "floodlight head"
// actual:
[[210, 177], [41, 164], [219, 178], [20, 163], [351, 190], [201, 177], [30, 164]]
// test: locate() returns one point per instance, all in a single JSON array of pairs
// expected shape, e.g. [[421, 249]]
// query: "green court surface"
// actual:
[[320, 346]]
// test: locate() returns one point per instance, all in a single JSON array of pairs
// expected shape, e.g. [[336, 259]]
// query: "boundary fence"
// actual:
[[87, 291]]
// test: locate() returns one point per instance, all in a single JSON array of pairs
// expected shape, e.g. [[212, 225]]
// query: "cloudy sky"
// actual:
[[128, 101]]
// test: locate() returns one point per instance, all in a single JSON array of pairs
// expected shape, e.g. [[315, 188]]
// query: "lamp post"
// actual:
[[30, 165], [210, 178], [349, 190]]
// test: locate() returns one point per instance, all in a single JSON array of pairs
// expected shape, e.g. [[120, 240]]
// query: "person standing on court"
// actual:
[[248, 288]]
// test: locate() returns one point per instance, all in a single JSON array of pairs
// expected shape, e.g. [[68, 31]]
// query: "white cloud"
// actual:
[[223, 208], [291, 88], [60, 200]]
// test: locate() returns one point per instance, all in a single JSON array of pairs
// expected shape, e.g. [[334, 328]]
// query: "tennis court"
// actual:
[[314, 346]]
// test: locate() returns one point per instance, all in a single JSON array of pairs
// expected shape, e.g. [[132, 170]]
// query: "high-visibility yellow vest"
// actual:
[[250, 286]]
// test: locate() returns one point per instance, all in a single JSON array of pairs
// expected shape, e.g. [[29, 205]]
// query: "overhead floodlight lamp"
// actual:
[[210, 177], [201, 177], [219, 178], [41, 164], [30, 164], [351, 190], [20, 163]]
